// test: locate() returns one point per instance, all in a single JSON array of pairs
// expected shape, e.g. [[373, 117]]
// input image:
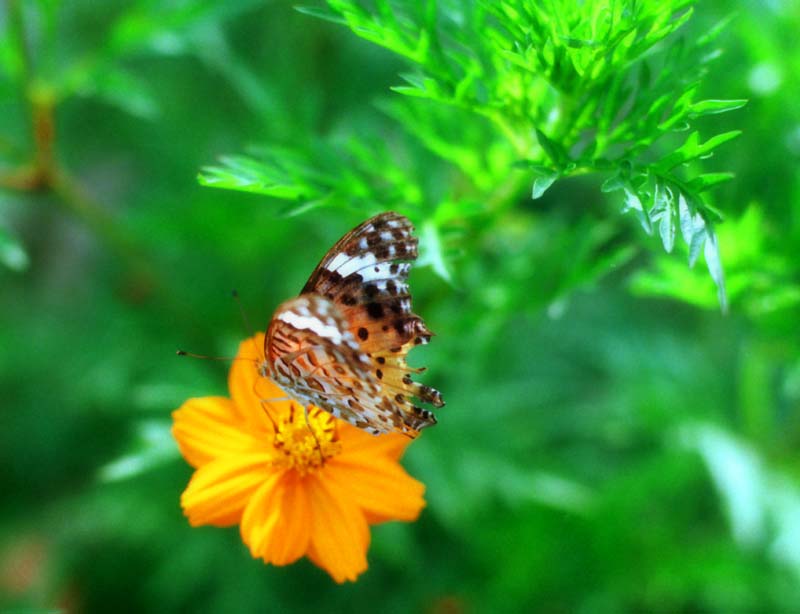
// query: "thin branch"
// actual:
[[44, 173]]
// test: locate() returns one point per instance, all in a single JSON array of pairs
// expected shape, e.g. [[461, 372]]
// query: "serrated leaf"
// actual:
[[634, 203], [714, 263], [698, 238], [667, 228], [685, 215], [662, 197]]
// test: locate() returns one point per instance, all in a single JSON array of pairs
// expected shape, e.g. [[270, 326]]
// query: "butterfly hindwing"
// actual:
[[313, 356]]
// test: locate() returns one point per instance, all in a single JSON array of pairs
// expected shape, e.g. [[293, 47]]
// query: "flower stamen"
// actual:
[[304, 440]]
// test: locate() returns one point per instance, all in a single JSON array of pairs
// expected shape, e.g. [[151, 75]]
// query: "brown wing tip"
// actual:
[[386, 216], [429, 395], [420, 419], [409, 432]]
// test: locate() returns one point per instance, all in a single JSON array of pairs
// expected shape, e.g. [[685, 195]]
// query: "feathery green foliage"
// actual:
[[556, 89], [612, 442]]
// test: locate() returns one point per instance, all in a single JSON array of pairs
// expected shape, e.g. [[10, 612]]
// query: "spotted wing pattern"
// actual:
[[342, 344]]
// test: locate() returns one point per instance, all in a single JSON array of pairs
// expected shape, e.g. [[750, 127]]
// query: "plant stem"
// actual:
[[44, 173]]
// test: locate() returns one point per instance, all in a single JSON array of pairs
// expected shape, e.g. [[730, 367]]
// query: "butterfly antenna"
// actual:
[[204, 357], [248, 329]]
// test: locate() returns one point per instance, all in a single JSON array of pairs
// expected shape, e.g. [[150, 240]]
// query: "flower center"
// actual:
[[305, 443]]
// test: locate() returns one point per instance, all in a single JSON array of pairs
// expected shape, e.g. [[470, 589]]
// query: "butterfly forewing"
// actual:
[[342, 343]]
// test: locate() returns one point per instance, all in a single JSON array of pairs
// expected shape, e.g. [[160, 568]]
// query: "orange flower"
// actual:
[[295, 487]]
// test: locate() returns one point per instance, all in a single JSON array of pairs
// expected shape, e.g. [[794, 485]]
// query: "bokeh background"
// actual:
[[612, 441]]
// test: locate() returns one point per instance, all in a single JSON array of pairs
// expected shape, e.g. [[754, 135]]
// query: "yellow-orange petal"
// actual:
[[208, 427], [339, 531], [380, 487], [255, 396], [358, 442], [243, 376], [219, 491], [276, 524]]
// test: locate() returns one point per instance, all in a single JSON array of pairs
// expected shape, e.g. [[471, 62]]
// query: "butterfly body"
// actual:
[[341, 344]]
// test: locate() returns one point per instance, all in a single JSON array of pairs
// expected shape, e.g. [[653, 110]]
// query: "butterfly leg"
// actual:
[[313, 434], [268, 409], [266, 405]]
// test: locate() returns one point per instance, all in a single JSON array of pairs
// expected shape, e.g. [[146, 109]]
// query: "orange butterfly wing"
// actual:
[[342, 343]]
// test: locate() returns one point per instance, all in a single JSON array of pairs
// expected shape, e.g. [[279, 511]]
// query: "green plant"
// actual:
[[552, 89]]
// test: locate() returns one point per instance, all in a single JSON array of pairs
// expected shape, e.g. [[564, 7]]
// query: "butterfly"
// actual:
[[342, 343]]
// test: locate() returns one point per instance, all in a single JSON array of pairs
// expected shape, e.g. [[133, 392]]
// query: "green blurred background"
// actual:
[[612, 441]]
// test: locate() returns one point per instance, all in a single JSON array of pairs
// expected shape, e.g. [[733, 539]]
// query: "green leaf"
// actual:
[[12, 252], [432, 252], [577, 43], [706, 181], [686, 217], [247, 175], [533, 165], [153, 446], [715, 141], [612, 184], [698, 238], [714, 263], [668, 225], [692, 149], [416, 80], [634, 203], [682, 154], [167, 27], [321, 13], [678, 111], [553, 150], [542, 183], [118, 87], [711, 107]]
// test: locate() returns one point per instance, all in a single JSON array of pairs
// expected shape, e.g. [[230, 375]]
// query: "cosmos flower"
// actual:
[[297, 484]]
